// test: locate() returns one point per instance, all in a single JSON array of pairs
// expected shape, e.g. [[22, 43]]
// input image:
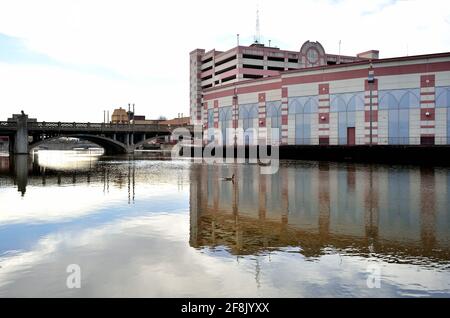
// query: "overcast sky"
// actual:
[[70, 60]]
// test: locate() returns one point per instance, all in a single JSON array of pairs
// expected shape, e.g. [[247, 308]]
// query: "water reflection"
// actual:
[[397, 214], [140, 227]]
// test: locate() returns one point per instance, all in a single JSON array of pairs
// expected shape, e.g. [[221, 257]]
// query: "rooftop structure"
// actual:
[[216, 68], [367, 101]]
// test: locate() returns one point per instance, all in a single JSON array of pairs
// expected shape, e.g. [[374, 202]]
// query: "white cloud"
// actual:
[[147, 42], [149, 256]]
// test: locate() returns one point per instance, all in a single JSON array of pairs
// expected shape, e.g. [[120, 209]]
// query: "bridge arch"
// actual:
[[110, 146], [154, 138]]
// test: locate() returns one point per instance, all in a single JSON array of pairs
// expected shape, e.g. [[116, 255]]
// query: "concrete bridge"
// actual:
[[25, 134]]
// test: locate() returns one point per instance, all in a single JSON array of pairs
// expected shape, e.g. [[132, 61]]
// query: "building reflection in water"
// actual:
[[396, 213], [66, 168], [400, 214], [17, 167]]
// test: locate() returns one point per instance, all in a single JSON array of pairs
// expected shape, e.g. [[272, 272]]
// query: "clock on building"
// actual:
[[312, 56]]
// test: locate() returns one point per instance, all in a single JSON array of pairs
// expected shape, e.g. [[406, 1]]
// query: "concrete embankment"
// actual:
[[395, 154]]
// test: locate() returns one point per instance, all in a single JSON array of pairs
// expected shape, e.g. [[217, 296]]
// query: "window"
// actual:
[[443, 101], [347, 101], [210, 117], [254, 57], [346, 105], [211, 124], [399, 98], [275, 59], [248, 113], [448, 125], [229, 78], [398, 127], [398, 102], [207, 60], [275, 68], [273, 111], [442, 97], [256, 67], [226, 70], [303, 108], [231, 58], [251, 76], [225, 117]]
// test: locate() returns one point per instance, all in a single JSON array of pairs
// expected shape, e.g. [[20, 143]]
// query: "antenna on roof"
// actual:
[[257, 34], [237, 37], [339, 56]]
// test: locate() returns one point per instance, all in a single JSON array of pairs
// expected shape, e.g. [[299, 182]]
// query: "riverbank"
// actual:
[[385, 154]]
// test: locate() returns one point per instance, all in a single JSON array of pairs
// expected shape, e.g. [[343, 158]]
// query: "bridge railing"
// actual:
[[98, 126], [8, 124]]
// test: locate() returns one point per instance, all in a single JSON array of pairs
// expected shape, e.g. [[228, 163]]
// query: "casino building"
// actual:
[[310, 97]]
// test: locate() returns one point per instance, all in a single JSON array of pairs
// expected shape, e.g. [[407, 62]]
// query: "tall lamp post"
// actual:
[[370, 81], [134, 123], [235, 121]]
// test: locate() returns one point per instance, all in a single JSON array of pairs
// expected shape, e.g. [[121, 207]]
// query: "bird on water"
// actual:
[[229, 178]]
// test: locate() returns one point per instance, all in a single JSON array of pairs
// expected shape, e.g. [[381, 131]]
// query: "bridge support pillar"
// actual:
[[114, 137], [21, 137], [20, 163], [11, 144]]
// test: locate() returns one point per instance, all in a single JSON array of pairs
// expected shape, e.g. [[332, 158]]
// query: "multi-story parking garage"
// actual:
[[323, 99]]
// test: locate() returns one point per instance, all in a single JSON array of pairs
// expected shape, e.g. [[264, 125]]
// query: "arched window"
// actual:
[[346, 106], [303, 108], [211, 124], [443, 101], [295, 106], [248, 113], [409, 99], [442, 97], [225, 122], [398, 102], [273, 111], [338, 103]]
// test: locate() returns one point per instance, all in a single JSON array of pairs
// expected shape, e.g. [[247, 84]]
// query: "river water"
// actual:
[[146, 227]]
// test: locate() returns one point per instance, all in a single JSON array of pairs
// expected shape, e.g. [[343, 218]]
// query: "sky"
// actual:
[[63, 60]]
